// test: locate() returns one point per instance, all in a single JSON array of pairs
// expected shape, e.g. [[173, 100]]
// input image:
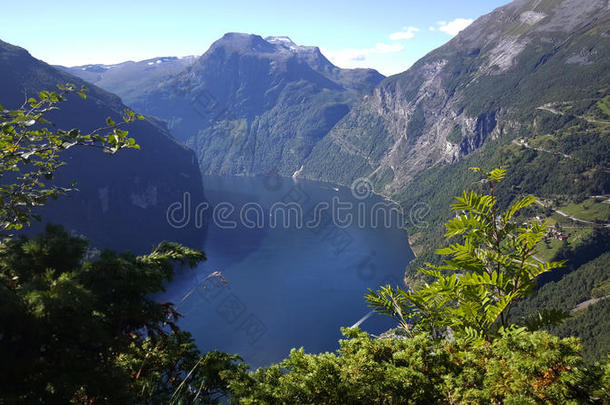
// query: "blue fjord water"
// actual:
[[285, 285]]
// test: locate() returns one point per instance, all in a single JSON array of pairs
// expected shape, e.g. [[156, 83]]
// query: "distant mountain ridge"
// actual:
[[127, 77], [249, 105]]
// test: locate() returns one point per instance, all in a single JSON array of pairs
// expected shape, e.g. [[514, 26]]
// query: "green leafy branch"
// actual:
[[489, 267], [30, 152]]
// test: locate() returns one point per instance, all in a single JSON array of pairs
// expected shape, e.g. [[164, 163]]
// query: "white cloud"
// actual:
[[381, 57], [432, 28], [346, 57], [406, 33], [453, 27], [378, 57]]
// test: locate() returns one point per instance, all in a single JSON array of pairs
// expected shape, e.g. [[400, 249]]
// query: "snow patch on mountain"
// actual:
[[280, 39]]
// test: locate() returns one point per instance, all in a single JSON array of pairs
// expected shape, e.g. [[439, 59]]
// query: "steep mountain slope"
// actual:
[[540, 107], [122, 199], [251, 104], [128, 79], [485, 83], [527, 86]]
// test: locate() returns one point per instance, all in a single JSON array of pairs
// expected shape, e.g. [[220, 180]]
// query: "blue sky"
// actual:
[[385, 35]]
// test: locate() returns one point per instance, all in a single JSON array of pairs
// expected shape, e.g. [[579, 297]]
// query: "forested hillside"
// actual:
[[547, 96]]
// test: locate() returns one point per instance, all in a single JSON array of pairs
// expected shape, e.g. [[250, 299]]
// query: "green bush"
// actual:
[[519, 368], [74, 330]]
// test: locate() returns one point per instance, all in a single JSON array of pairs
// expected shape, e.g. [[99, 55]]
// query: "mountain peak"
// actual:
[[241, 41], [281, 46]]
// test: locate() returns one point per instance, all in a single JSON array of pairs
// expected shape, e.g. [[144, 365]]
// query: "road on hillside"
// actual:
[[527, 145], [557, 112], [584, 221]]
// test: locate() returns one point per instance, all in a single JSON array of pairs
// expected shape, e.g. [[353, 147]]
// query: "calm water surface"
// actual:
[[286, 286]]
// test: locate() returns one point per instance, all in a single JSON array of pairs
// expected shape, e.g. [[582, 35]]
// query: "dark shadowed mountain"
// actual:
[[249, 104], [122, 199]]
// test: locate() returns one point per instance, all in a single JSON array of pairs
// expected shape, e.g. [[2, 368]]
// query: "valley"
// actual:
[[271, 208], [508, 90]]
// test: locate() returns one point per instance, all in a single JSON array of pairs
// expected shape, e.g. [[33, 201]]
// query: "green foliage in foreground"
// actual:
[[30, 152], [80, 329], [484, 273], [517, 368], [87, 331]]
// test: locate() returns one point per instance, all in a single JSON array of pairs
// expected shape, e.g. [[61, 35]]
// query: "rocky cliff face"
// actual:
[[122, 199], [480, 85]]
